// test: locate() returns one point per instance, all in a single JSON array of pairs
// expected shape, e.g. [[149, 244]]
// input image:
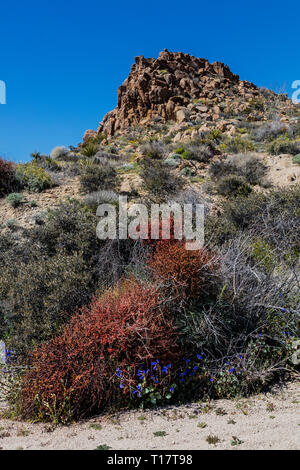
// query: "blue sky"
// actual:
[[62, 61]]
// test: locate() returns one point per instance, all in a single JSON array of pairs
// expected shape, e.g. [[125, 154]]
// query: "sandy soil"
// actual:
[[266, 421], [282, 171], [47, 199]]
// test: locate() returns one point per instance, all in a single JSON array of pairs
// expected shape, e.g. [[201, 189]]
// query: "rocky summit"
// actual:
[[182, 88]]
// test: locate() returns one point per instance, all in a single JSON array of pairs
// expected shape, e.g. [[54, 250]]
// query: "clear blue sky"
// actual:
[[62, 61]]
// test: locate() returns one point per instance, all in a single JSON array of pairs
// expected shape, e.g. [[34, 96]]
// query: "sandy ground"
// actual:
[[266, 421], [282, 171]]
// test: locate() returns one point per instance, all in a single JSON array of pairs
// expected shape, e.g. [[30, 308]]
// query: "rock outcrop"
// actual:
[[175, 86]]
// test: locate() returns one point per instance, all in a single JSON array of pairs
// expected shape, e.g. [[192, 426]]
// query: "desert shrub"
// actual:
[[71, 169], [173, 160], [296, 159], [256, 103], [296, 128], [200, 153], [262, 252], [90, 149], [40, 294], [36, 156], [59, 153], [123, 329], [233, 185], [243, 337], [98, 177], [15, 199], [50, 164], [117, 258], [70, 228], [154, 149], [12, 224], [101, 197], [31, 176], [283, 144], [273, 216], [215, 134], [218, 326], [219, 229], [270, 130], [179, 150], [59, 268], [8, 181], [190, 196], [189, 272], [105, 157], [248, 166], [236, 144], [60, 253], [158, 178]]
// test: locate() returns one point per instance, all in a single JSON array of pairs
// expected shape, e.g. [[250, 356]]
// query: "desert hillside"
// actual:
[[93, 326]]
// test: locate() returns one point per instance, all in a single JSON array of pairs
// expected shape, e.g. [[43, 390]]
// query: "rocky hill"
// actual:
[[186, 114], [182, 88]]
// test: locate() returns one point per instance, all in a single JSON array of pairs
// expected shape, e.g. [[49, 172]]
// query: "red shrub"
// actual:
[[163, 228], [125, 327], [190, 271], [7, 177]]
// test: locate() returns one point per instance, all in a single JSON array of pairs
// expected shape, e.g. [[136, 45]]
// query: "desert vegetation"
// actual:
[[98, 325]]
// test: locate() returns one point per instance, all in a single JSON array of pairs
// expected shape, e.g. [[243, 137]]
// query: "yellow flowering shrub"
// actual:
[[33, 177]]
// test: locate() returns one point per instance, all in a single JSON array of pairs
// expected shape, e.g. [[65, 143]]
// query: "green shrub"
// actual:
[[273, 216], [199, 153], [263, 253], [173, 160], [33, 177], [215, 134], [50, 164], [40, 295], [158, 179], [98, 177], [180, 150], [296, 159], [12, 224], [155, 150], [233, 185], [283, 144], [15, 199], [90, 149], [36, 156], [70, 228], [247, 165], [236, 144]]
